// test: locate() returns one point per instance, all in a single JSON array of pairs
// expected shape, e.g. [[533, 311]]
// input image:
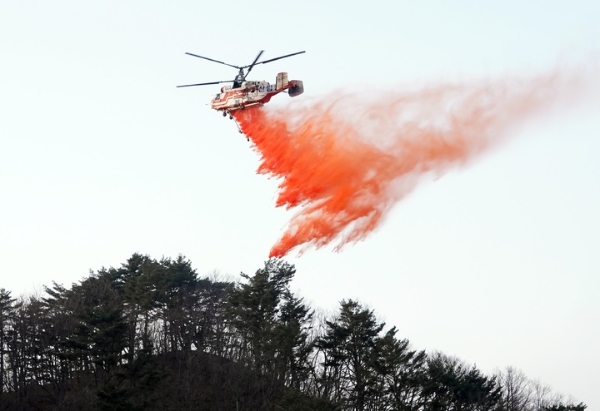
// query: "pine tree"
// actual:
[[349, 349], [7, 314]]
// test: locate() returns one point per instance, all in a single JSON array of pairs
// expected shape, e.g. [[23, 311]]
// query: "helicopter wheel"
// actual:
[[224, 113]]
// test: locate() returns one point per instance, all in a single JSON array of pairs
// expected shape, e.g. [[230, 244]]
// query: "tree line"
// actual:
[[153, 335]]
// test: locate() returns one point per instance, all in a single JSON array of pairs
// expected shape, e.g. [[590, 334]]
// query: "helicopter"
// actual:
[[244, 93]]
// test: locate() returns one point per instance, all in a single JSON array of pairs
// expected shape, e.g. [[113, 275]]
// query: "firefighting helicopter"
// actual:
[[242, 93]]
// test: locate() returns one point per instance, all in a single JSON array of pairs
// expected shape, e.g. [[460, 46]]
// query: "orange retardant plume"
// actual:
[[344, 159]]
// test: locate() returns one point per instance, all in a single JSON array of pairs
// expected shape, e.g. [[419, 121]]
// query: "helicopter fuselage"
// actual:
[[253, 93]]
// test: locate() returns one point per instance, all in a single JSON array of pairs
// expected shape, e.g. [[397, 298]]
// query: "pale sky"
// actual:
[[101, 156]]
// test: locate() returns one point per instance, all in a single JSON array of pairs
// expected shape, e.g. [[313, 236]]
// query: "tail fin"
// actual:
[[282, 80]]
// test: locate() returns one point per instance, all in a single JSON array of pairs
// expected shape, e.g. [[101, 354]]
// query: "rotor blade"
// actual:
[[216, 61], [205, 84], [253, 63], [280, 57]]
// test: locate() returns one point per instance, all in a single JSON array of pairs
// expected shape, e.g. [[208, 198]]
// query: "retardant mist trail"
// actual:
[[344, 159]]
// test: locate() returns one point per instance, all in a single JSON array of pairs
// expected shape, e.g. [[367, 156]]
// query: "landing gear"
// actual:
[[224, 113]]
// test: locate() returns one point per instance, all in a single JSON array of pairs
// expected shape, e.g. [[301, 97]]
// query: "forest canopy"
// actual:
[[153, 335]]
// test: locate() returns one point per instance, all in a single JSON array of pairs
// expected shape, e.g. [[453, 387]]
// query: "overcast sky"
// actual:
[[101, 156]]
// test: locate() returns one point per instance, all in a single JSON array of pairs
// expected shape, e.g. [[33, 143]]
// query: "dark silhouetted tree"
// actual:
[[8, 307], [402, 371], [452, 385], [349, 349], [270, 326]]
